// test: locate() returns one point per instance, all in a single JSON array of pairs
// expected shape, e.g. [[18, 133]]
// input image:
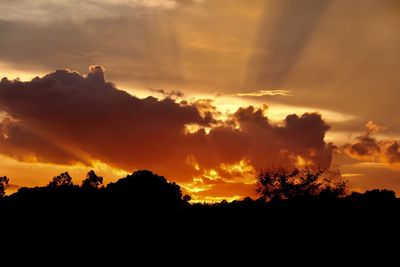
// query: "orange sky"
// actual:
[[205, 62]]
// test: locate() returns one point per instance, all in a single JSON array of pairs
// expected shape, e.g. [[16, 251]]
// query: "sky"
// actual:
[[204, 92]]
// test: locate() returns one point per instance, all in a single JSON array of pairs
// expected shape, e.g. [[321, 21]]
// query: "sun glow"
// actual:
[[211, 199], [300, 162], [203, 184], [241, 167], [194, 128], [20, 173], [211, 174], [196, 188], [192, 161], [13, 73]]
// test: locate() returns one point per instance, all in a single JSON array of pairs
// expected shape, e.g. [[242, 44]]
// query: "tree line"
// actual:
[[143, 192]]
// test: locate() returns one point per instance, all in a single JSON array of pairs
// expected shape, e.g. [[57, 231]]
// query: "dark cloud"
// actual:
[[65, 117], [207, 108], [393, 152], [365, 147], [90, 114], [261, 93], [96, 75], [370, 149], [30, 145], [173, 93]]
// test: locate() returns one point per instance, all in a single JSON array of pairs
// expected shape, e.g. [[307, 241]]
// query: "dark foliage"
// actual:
[[146, 192], [3, 185], [281, 183], [92, 181], [146, 198], [64, 179], [145, 211]]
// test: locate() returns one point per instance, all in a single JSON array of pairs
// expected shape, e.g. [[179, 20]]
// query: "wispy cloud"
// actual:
[[272, 92], [346, 175], [173, 93]]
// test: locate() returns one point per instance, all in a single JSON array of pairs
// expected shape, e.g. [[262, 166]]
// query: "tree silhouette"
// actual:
[[3, 185], [146, 190], [64, 179], [187, 198], [283, 183], [92, 181]]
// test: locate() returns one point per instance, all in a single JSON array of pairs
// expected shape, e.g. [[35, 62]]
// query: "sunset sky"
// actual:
[[204, 92]]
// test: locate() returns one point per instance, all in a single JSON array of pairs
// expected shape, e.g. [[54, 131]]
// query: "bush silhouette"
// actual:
[[3, 185], [92, 181], [145, 189], [62, 180], [283, 183]]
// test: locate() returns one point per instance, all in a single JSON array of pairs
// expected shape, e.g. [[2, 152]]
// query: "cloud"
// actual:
[[30, 145], [368, 148], [43, 11], [373, 128], [301, 45], [173, 93], [91, 114], [246, 46], [155, 3], [274, 92], [68, 118]]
